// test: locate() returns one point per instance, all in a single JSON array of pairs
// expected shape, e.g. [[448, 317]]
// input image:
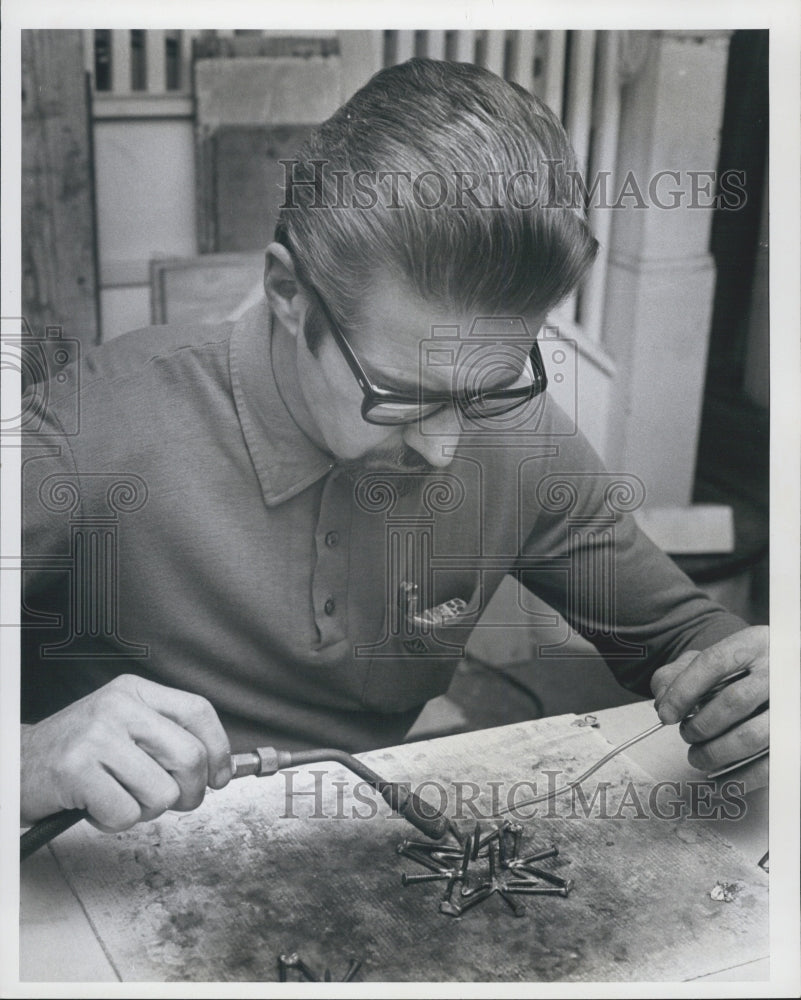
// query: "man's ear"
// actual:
[[283, 289]]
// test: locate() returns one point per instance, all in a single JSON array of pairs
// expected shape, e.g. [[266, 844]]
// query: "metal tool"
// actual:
[[265, 761], [710, 694], [739, 763]]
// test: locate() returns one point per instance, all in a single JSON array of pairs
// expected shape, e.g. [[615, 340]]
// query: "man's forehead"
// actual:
[[399, 330]]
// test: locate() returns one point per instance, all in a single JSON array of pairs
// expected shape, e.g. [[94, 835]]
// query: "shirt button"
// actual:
[[332, 539], [329, 606]]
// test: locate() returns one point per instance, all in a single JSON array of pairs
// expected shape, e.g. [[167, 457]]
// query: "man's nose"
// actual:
[[436, 437]]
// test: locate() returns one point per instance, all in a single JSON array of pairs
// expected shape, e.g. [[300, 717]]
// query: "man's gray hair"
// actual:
[[445, 175]]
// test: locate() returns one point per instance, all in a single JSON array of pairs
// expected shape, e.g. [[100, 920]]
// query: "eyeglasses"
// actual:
[[388, 406]]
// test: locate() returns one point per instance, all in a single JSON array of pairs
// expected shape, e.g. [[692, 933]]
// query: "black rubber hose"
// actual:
[[48, 828]]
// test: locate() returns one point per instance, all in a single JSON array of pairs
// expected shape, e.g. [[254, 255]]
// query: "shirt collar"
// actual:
[[285, 459]]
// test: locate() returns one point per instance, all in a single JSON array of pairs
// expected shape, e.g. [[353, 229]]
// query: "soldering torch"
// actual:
[[263, 762]]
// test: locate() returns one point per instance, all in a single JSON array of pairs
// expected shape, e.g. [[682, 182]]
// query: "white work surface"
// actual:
[[84, 917]]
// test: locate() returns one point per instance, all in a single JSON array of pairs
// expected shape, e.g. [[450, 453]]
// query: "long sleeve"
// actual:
[[587, 558], [50, 497]]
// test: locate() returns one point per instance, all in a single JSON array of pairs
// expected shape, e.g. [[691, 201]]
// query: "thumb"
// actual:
[[666, 675]]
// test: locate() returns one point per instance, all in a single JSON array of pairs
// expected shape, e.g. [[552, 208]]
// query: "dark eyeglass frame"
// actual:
[[375, 395]]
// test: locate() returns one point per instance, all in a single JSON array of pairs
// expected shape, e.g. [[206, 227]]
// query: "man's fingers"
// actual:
[[111, 808], [733, 703], [664, 677], [128, 786], [745, 649], [154, 789], [196, 715], [177, 753], [127, 751], [748, 738]]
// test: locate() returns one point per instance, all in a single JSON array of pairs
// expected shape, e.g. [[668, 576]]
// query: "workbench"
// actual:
[[219, 893]]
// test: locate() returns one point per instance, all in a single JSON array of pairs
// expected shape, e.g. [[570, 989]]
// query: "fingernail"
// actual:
[[667, 714], [222, 777]]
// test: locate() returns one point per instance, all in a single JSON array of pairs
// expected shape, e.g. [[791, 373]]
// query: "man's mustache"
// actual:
[[397, 458]]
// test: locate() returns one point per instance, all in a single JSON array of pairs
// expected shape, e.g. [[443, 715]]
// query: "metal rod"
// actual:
[[582, 777], [739, 763]]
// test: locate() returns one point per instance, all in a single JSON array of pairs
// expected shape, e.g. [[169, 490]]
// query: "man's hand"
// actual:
[[124, 753], [735, 723]]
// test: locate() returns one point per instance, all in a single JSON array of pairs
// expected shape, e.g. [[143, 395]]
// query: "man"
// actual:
[[282, 530]]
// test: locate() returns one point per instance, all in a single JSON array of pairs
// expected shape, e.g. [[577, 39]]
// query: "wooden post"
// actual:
[[757, 367], [661, 276], [58, 225]]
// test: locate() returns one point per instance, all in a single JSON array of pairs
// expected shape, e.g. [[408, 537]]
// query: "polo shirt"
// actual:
[[180, 525]]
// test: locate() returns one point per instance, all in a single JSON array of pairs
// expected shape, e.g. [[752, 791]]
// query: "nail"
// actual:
[[476, 897], [517, 908], [546, 876], [445, 852], [527, 889], [447, 905], [548, 852], [431, 848], [282, 969], [494, 854], [476, 842], [468, 850], [422, 859], [453, 829], [503, 858], [305, 970], [353, 968], [407, 879], [492, 835]]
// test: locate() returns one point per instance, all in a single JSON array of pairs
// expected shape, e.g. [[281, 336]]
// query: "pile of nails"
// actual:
[[294, 961], [507, 873]]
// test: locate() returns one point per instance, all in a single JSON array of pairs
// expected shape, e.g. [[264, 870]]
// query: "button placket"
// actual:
[[330, 571]]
